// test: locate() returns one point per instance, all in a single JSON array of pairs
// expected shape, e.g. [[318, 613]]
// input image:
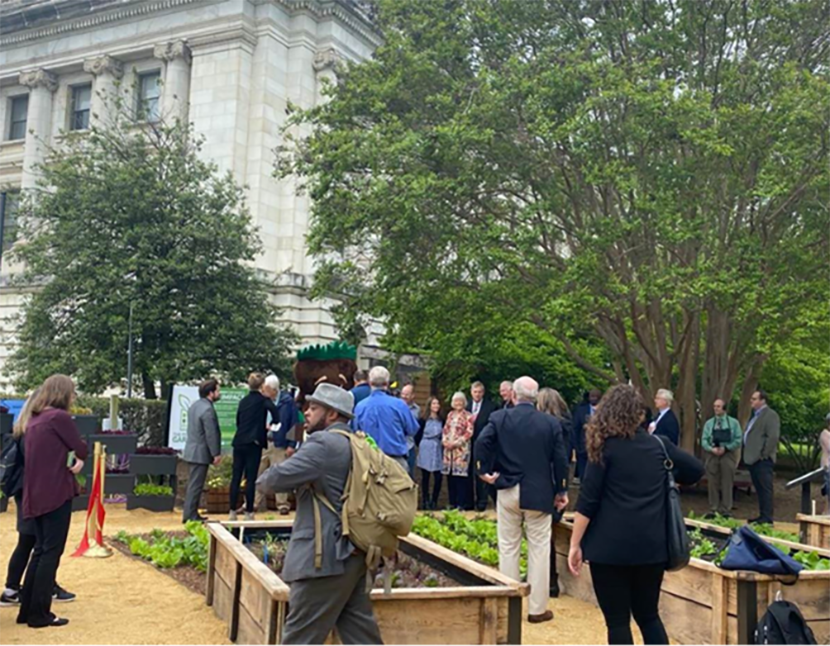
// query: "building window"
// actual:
[[17, 123], [149, 91], [9, 203], [81, 103]]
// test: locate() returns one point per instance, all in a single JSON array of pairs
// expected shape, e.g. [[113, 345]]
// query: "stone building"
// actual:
[[230, 67]]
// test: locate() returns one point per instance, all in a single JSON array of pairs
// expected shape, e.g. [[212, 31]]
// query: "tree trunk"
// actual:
[[716, 378], [749, 387], [689, 358], [149, 386]]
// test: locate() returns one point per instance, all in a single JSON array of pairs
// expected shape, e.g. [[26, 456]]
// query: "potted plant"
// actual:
[[151, 496], [154, 461], [117, 442], [217, 488], [85, 421]]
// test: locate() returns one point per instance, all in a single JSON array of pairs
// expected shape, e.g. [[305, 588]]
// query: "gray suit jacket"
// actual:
[[762, 441], [322, 462], [204, 441]]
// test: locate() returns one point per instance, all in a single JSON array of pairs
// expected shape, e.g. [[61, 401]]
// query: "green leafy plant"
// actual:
[[150, 489], [167, 551], [812, 560]]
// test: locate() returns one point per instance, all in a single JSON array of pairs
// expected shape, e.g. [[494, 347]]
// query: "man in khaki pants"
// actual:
[[280, 448], [529, 448]]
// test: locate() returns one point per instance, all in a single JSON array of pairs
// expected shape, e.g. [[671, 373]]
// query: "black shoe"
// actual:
[[12, 599], [710, 516], [756, 521], [55, 622], [61, 595], [554, 591], [481, 509]]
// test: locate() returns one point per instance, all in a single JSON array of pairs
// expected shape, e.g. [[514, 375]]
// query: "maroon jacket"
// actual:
[[47, 481]]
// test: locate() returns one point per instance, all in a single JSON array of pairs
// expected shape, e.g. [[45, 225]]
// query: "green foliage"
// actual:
[[763, 529], [151, 489], [219, 475], [812, 560], [333, 350], [132, 216], [477, 539], [642, 184], [166, 551]]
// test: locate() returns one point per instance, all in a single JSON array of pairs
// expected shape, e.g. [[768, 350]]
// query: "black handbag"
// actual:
[[677, 538]]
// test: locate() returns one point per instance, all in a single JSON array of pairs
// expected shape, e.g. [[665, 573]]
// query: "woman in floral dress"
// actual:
[[458, 435]]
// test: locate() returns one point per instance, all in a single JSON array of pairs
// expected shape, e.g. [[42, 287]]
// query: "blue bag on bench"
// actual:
[[748, 551]]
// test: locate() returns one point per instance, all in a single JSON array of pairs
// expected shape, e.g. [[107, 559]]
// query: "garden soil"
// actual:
[[122, 600]]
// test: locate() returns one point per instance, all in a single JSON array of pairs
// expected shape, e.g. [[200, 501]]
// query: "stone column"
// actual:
[[42, 85], [176, 90], [107, 72]]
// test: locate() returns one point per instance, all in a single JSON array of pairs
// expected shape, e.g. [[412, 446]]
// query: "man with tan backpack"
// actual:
[[352, 504]]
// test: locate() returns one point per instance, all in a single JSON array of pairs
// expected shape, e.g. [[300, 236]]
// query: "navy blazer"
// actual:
[[526, 447], [487, 409], [669, 427], [582, 414]]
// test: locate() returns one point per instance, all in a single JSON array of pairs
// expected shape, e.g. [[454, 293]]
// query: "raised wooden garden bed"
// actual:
[[485, 609], [814, 530], [217, 500], [702, 604]]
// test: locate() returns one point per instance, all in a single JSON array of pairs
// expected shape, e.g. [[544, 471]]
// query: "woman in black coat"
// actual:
[[621, 515]]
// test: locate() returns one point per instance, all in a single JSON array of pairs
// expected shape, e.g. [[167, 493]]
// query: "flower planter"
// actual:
[[151, 503], [153, 465], [80, 503], [119, 483], [217, 500], [116, 444], [86, 424], [814, 530], [485, 609], [703, 604]]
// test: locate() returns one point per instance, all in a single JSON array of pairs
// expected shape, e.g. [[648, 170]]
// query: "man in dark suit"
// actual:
[[581, 415], [522, 452], [763, 430], [481, 409], [665, 423]]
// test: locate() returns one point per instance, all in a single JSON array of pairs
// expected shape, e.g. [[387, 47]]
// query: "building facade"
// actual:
[[230, 67]]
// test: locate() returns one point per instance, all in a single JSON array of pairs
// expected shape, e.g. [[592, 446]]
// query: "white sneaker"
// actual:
[[232, 515], [249, 515]]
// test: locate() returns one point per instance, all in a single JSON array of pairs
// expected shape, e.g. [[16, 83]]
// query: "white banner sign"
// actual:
[[182, 398]]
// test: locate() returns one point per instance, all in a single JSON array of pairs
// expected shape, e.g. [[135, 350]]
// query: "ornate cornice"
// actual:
[[171, 51], [104, 65], [39, 78], [340, 9]]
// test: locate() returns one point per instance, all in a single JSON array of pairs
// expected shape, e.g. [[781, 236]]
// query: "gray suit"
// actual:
[[204, 442], [333, 595], [760, 449]]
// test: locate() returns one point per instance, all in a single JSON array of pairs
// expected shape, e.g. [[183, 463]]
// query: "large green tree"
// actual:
[[651, 174], [127, 215]]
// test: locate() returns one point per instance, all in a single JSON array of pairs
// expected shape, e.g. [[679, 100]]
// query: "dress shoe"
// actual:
[[554, 591], [547, 615]]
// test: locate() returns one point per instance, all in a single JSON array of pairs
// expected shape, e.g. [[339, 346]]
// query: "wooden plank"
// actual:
[[255, 599], [719, 609], [211, 571], [250, 630], [501, 622], [482, 571], [815, 519], [225, 566], [514, 620], [276, 622], [233, 624], [691, 583], [444, 593], [821, 629], [686, 622], [812, 596], [441, 621], [222, 596], [776, 541], [488, 617]]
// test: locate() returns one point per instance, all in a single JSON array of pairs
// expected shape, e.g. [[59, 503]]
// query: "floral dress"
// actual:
[[459, 428]]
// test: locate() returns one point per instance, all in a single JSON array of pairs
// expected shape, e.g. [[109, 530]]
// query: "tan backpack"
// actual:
[[379, 503]]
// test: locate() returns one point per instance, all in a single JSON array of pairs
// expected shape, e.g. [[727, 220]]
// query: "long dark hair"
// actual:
[[428, 409], [618, 415]]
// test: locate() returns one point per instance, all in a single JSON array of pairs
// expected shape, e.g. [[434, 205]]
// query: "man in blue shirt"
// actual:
[[386, 419], [361, 388]]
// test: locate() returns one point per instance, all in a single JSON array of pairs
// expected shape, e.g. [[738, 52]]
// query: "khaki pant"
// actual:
[[720, 474], [538, 524], [271, 457]]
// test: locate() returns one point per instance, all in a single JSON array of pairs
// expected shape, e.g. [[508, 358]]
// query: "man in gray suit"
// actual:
[[331, 592], [760, 447], [203, 446]]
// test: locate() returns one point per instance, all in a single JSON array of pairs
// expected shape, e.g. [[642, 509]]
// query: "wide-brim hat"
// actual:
[[333, 397]]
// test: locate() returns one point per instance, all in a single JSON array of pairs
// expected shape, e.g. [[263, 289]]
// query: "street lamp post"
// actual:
[[130, 356]]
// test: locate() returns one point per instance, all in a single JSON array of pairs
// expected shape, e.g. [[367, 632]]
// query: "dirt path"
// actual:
[[120, 601]]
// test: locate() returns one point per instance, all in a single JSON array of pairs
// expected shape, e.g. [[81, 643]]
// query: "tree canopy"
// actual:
[[130, 214], [649, 176]]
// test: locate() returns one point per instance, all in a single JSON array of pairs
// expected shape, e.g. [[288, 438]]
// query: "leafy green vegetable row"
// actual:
[[704, 548], [764, 529], [167, 551]]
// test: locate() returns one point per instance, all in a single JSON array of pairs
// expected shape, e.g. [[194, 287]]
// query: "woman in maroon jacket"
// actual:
[[48, 488]]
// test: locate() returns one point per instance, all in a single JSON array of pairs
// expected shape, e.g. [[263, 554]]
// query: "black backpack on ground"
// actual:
[[11, 469], [783, 623]]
